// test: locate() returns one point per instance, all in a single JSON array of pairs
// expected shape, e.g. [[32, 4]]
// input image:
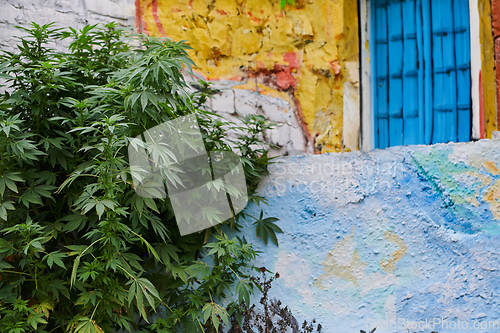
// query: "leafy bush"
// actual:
[[80, 250]]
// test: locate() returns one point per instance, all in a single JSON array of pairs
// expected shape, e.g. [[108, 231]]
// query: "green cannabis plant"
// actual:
[[80, 251]]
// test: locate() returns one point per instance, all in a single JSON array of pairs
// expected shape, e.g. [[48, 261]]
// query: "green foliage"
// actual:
[[265, 228], [80, 251], [284, 2]]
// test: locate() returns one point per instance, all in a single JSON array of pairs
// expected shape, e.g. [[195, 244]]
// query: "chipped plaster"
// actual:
[[300, 52], [405, 233]]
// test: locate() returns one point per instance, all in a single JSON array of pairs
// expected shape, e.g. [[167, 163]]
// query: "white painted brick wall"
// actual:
[[74, 13], [231, 103]]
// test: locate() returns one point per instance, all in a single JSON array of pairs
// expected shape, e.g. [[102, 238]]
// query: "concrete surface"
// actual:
[[390, 237]]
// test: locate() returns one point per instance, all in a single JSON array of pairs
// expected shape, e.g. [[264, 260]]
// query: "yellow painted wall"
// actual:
[[487, 68], [300, 50]]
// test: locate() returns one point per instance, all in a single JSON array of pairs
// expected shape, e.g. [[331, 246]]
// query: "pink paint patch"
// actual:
[[285, 79], [336, 66], [291, 59], [157, 19]]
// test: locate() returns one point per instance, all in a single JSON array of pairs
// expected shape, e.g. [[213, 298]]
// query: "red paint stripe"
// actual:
[[481, 106], [138, 16], [145, 28], [299, 115], [157, 20]]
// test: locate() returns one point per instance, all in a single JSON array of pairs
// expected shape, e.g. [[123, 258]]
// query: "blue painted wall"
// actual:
[[406, 234]]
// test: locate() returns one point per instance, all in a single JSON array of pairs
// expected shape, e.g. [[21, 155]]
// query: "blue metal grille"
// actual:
[[421, 71]]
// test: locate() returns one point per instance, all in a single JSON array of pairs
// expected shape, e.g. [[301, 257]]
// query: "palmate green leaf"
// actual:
[[266, 228], [76, 263], [44, 190], [132, 99], [75, 221], [35, 245], [159, 228], [139, 289], [213, 311], [87, 325], [10, 184], [5, 265], [89, 204], [244, 289], [89, 297], [151, 204], [99, 207], [4, 206], [31, 197], [167, 252], [6, 247], [179, 272], [14, 176], [36, 319], [3, 213], [55, 258], [198, 268]]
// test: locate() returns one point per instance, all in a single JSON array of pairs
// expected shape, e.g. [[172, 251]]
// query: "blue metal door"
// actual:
[[421, 71]]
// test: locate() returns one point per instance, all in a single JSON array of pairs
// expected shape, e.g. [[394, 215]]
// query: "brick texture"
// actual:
[[74, 13]]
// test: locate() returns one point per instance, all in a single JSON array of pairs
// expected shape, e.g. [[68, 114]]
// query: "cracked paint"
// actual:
[[299, 51]]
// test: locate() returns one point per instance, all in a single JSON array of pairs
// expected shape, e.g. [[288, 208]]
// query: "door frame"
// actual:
[[366, 48]]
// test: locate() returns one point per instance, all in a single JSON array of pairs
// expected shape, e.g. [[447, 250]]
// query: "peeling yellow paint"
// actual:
[[235, 38], [487, 68]]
